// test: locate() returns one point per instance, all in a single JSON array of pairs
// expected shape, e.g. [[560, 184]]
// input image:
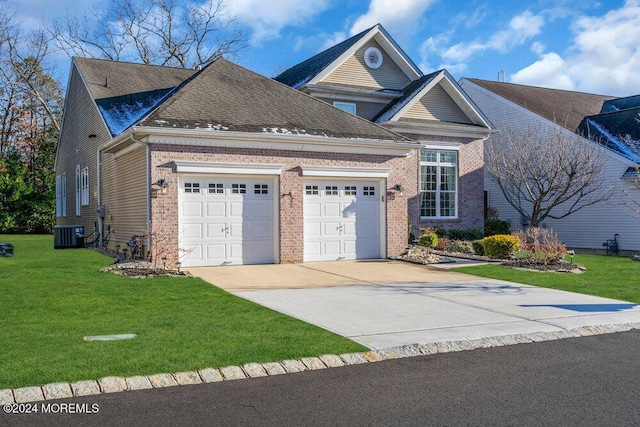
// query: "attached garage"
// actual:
[[343, 219], [227, 219]]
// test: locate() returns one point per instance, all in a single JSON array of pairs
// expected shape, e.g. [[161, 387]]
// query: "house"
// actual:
[[225, 166], [369, 75], [591, 119]]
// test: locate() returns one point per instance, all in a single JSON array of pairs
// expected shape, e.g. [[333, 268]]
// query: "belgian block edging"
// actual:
[[254, 370]]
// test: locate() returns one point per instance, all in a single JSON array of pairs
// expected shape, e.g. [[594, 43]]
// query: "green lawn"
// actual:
[[606, 276], [50, 299]]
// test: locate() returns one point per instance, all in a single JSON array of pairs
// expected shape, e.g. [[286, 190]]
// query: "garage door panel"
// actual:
[[192, 209], [343, 220], [192, 231], [231, 220], [218, 209]]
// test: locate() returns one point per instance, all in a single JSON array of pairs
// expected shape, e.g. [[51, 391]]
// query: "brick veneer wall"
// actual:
[[164, 209]]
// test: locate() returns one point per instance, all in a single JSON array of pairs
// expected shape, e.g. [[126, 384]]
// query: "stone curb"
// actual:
[[104, 385]]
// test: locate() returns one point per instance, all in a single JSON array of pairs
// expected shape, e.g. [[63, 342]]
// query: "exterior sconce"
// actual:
[[164, 262], [398, 188], [178, 264], [162, 183]]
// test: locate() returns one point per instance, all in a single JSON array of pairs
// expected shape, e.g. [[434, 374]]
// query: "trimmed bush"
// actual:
[[500, 245], [496, 226], [478, 248], [470, 234], [460, 246], [428, 240]]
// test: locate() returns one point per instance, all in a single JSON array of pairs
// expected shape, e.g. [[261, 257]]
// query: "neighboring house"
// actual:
[[371, 76], [224, 166], [605, 120]]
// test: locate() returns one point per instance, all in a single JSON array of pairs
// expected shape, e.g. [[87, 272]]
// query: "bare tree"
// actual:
[[547, 175], [161, 32]]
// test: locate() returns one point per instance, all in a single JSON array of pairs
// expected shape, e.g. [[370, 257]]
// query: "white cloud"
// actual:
[[520, 29], [603, 58], [397, 16], [267, 18]]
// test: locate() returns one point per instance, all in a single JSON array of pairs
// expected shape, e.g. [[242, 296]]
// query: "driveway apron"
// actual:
[[383, 303]]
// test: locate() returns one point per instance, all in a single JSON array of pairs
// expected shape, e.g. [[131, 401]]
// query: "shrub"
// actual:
[[500, 245], [478, 248], [443, 244], [540, 246], [461, 246], [496, 226], [470, 234], [428, 240]]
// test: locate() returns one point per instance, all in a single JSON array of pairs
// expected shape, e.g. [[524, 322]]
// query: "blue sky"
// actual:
[[585, 45]]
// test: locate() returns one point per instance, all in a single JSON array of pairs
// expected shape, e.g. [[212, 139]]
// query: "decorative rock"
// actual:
[[274, 368], [57, 391], [210, 375], [388, 354], [372, 356], [6, 249], [85, 388], [162, 380], [112, 384], [6, 397], [138, 383], [232, 373], [254, 370], [28, 394], [292, 366], [331, 360], [353, 358], [187, 378], [313, 363]]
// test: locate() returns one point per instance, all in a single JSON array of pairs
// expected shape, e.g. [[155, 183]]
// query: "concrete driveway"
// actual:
[[383, 304]]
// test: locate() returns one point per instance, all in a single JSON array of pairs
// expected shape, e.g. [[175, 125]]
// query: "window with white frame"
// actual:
[[78, 189], [85, 187], [349, 107], [438, 183], [58, 196]]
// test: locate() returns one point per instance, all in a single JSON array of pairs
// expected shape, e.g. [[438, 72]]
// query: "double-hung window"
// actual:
[[438, 183], [85, 187], [78, 189], [61, 195]]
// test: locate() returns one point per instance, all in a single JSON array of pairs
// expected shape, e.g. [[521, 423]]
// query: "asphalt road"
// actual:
[[592, 381]]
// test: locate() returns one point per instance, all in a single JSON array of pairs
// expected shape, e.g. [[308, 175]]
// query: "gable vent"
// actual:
[[373, 57]]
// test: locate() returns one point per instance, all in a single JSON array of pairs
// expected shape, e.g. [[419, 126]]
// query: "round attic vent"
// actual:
[[373, 57]]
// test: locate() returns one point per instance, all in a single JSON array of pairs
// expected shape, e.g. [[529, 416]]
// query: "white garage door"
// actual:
[[227, 220], [342, 220]]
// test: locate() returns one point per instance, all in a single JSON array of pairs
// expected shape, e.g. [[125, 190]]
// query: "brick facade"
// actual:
[[164, 207]]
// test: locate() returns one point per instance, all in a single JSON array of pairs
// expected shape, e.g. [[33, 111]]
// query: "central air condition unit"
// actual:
[[68, 236]]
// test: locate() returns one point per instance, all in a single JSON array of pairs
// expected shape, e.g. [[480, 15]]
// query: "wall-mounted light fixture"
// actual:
[[398, 188], [162, 183]]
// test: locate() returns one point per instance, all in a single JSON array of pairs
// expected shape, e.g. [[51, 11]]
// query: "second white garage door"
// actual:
[[227, 220], [342, 220]]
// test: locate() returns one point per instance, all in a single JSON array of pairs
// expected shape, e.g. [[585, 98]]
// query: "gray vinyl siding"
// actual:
[[587, 228], [354, 72], [366, 110], [437, 105], [124, 195], [81, 119]]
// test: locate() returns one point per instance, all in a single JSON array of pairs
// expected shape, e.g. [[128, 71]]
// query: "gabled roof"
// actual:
[[320, 65], [417, 89], [126, 92], [227, 97], [563, 107]]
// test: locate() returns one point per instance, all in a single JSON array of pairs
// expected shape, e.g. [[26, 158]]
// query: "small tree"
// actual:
[[549, 175]]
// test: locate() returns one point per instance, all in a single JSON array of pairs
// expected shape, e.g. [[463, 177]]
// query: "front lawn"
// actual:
[[50, 299], [606, 276]]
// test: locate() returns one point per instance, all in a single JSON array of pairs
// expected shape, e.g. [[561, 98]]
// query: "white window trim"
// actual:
[[345, 172], [228, 168], [78, 190], [439, 164], [85, 186], [341, 105], [58, 196]]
